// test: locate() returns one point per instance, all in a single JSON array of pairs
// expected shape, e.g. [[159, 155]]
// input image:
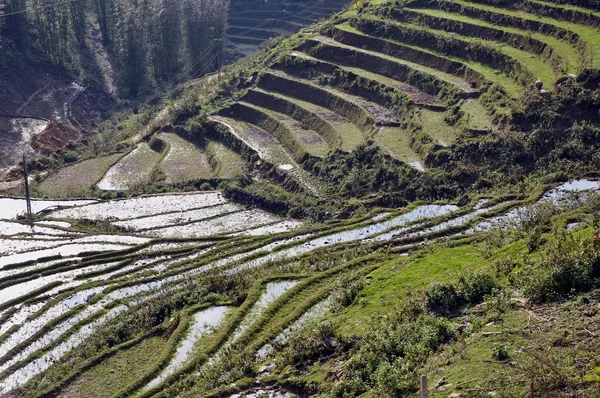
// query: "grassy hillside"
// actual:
[[440, 160]]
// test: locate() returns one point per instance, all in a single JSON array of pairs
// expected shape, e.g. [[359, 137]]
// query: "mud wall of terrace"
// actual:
[[270, 124], [519, 23], [388, 68], [522, 42], [450, 46], [218, 132], [350, 82], [565, 14], [307, 118], [410, 54], [321, 97]]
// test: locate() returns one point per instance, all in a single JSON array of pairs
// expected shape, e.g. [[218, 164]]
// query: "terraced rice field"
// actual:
[[77, 180], [64, 283], [356, 81], [184, 161], [252, 23], [135, 169]]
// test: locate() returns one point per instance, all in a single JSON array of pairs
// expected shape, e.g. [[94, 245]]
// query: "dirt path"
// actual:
[[31, 98], [102, 59]]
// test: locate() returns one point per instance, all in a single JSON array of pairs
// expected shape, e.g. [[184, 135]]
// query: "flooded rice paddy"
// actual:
[[81, 279]]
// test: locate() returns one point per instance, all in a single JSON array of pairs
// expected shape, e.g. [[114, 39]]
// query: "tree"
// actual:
[[16, 25], [104, 10], [78, 19]]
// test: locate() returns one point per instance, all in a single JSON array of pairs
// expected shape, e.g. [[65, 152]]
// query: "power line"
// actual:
[[8, 14]]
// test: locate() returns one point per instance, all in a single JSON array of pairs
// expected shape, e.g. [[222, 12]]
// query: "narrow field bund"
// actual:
[[308, 92], [520, 66], [586, 41], [424, 79], [558, 54]]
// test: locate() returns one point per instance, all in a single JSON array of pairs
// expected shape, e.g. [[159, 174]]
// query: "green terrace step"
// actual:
[[184, 161], [285, 84], [305, 66], [397, 142], [337, 131], [268, 148], [299, 142], [474, 75], [585, 38], [425, 78], [226, 164], [560, 54], [514, 64]]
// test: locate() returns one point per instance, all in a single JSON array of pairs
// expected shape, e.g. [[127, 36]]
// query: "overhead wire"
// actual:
[[31, 9]]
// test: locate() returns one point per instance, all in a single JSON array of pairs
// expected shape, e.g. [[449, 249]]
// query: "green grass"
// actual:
[[491, 74], [568, 53], [76, 180], [400, 279], [546, 345], [589, 34], [118, 371], [396, 141], [185, 161], [479, 118], [228, 163], [435, 126]]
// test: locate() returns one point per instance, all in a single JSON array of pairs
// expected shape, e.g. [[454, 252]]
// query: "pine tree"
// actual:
[[16, 25], [78, 19]]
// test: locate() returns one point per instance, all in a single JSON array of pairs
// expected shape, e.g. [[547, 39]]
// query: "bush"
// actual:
[[442, 296], [566, 270], [474, 287], [499, 353], [346, 294]]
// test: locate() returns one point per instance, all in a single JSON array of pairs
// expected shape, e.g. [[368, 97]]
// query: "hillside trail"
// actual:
[[103, 59], [162, 117]]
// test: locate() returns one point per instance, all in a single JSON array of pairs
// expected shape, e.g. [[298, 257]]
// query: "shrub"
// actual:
[[346, 294], [474, 287], [499, 353], [442, 296]]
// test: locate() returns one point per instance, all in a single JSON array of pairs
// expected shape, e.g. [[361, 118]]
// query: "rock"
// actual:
[[539, 84], [521, 302], [456, 395]]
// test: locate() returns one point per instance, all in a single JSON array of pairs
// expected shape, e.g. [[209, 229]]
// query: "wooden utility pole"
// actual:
[[423, 386], [27, 193]]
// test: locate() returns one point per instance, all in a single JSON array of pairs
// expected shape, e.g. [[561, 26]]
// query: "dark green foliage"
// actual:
[[569, 267], [475, 287], [442, 296], [386, 360], [346, 293]]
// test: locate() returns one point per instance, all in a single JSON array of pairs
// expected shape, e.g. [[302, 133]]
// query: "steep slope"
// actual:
[[444, 160]]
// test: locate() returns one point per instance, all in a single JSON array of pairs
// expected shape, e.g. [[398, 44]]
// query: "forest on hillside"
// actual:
[[147, 43]]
